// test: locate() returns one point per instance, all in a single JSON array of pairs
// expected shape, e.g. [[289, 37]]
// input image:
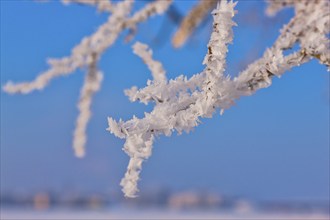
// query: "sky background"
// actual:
[[272, 145]]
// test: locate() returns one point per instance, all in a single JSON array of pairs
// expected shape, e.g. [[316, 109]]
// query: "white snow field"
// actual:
[[7, 214]]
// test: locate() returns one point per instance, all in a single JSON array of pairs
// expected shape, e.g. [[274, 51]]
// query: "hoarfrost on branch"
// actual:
[[86, 55], [180, 103]]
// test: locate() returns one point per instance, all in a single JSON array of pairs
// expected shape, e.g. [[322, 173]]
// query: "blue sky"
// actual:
[[272, 145]]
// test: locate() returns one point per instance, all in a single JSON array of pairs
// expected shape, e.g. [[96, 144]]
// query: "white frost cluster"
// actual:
[[86, 55], [180, 103]]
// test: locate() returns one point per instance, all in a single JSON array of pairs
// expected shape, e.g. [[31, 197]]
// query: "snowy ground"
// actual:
[[7, 214]]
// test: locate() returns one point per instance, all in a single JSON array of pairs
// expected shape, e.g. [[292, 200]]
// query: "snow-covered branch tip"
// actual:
[[181, 103], [155, 67]]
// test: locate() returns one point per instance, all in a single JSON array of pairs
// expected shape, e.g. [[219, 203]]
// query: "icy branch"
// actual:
[[151, 9], [81, 55], [97, 43], [182, 102], [180, 111], [86, 55], [275, 6], [91, 85]]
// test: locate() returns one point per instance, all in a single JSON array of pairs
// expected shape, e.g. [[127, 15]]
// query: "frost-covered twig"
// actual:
[[81, 55], [180, 103], [155, 67], [157, 71], [275, 6], [91, 85], [152, 8], [86, 55]]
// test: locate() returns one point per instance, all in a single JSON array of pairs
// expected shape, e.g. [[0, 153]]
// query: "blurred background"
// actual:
[[267, 154]]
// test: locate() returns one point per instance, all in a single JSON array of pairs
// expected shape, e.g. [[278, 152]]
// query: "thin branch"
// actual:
[[191, 21]]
